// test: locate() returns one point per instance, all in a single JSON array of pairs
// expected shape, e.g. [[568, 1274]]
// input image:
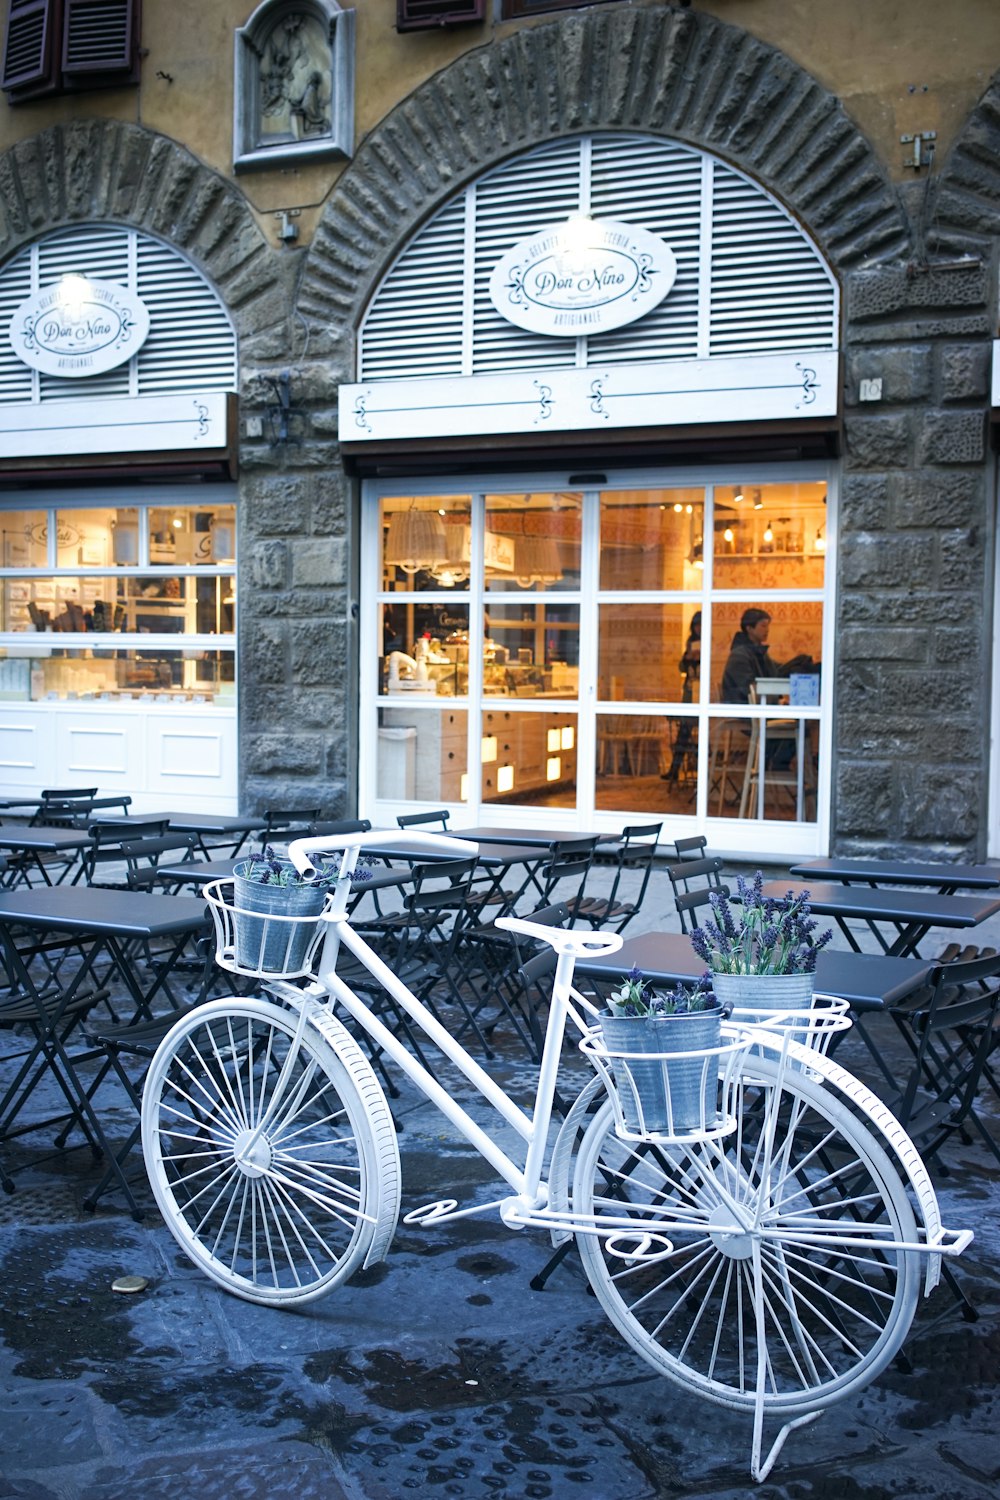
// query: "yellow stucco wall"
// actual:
[[898, 66]]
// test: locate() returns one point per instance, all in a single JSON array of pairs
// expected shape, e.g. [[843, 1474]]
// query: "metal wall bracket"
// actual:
[[923, 148]]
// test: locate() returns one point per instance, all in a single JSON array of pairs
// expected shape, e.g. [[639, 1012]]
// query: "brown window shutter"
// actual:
[[420, 15], [100, 37], [29, 46]]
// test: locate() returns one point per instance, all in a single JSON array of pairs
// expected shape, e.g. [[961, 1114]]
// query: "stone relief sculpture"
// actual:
[[295, 83]]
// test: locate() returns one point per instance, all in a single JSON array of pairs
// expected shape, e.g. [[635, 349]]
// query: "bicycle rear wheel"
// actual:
[[276, 1169], [829, 1313]]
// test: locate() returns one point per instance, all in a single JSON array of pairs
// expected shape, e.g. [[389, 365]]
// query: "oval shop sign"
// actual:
[[79, 327], [582, 276]]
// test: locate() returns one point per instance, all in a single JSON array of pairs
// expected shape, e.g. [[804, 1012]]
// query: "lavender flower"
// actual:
[[769, 936]]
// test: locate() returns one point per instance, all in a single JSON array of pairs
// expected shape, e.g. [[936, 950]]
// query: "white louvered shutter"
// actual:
[[190, 346], [748, 278]]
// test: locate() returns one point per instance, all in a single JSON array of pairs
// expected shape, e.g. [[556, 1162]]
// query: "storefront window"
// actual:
[[75, 577], [631, 612]]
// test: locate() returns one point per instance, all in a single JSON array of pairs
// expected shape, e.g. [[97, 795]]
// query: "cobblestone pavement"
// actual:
[[440, 1372]]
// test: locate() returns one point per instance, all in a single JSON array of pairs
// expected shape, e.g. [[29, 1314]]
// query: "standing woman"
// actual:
[[690, 668]]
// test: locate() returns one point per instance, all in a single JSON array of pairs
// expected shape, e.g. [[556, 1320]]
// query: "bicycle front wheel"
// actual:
[[783, 1235], [275, 1167]]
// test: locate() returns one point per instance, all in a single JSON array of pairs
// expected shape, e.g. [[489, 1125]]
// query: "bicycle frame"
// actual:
[[526, 1179]]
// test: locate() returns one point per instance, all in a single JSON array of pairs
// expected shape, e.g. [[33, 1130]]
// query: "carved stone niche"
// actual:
[[294, 95]]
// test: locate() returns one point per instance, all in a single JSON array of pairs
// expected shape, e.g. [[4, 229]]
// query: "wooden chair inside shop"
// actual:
[[729, 741], [777, 732], [694, 881], [634, 856], [630, 744]]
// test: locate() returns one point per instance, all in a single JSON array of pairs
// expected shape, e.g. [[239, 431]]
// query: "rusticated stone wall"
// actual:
[[918, 272]]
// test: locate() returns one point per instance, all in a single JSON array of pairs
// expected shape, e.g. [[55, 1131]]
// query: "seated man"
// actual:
[[748, 660]]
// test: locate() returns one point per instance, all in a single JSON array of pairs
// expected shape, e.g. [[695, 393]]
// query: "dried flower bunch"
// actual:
[[268, 868], [637, 997], [768, 935]]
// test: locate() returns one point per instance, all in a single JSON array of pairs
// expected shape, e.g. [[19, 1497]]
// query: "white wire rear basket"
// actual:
[[262, 944], [670, 1096]]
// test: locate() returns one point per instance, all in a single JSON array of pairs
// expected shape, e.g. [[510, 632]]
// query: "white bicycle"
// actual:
[[769, 1260]]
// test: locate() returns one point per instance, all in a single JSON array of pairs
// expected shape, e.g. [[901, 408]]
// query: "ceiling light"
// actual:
[[758, 503], [415, 539]]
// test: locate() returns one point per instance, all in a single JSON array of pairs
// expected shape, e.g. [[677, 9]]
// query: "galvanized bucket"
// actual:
[[271, 943], [660, 1088], [756, 997]]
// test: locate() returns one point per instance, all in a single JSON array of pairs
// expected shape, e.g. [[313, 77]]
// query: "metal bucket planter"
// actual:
[[756, 997], [274, 941], [659, 1091]]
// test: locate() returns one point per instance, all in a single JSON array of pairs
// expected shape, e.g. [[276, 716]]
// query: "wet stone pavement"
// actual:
[[439, 1373]]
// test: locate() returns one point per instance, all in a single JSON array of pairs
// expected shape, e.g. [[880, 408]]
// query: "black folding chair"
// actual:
[[694, 882], [493, 961], [562, 875], [636, 851], [438, 819], [288, 823]]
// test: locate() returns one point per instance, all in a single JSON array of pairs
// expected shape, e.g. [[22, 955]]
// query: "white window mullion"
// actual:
[[590, 576], [477, 593]]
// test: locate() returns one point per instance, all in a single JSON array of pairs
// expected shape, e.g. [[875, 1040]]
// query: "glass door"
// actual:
[[608, 654]]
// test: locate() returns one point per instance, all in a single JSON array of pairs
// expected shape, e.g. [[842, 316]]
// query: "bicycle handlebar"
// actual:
[[435, 843]]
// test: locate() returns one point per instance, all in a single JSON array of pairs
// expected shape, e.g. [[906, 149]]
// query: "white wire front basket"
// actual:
[[670, 1096], [260, 943], [813, 1027]]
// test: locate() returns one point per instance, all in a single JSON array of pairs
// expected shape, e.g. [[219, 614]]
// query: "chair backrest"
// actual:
[[695, 847], [951, 1027], [135, 852], [64, 807], [289, 820], [636, 851], [567, 860], [335, 826], [694, 881], [416, 820]]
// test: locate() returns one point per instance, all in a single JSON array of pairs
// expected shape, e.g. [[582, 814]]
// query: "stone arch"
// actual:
[[657, 70], [106, 170], [962, 214]]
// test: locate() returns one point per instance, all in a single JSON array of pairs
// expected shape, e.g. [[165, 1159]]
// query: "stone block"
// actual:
[[319, 561], [877, 442], [264, 655], [952, 437], [865, 502], [939, 803], [282, 753], [864, 801], [866, 643], [906, 373], [891, 289], [319, 652], [963, 560], [887, 561], [931, 694], [939, 498], [268, 565], [965, 371], [860, 606]]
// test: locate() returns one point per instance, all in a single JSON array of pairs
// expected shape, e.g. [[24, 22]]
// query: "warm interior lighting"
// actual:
[[820, 541], [758, 503], [738, 495], [488, 751], [536, 560], [678, 507], [689, 509], [768, 534], [505, 779], [463, 787], [553, 768], [727, 535], [567, 738], [552, 740], [177, 523]]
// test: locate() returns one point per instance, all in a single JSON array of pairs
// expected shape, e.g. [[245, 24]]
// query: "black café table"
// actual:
[[496, 857], [30, 847], [201, 872], [104, 931], [946, 879], [910, 915], [867, 981], [228, 832]]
